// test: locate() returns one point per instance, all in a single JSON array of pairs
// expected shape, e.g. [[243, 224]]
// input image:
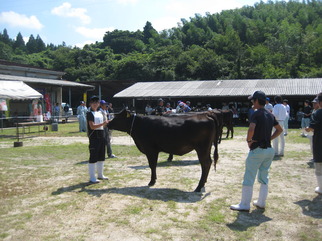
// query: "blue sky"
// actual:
[[77, 22]]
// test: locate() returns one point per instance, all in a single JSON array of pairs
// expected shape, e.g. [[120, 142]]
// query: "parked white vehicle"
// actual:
[[70, 112]]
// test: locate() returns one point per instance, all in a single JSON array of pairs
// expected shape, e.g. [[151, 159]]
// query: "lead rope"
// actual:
[[132, 124]]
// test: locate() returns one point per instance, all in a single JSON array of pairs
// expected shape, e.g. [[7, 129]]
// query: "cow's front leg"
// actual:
[[153, 160]]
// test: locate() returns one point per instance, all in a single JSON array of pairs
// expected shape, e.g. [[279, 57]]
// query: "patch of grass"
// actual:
[[214, 212], [171, 205], [133, 209], [4, 235], [152, 231], [310, 235]]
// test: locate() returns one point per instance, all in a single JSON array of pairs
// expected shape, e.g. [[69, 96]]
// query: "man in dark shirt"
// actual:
[[261, 153], [307, 110], [160, 109]]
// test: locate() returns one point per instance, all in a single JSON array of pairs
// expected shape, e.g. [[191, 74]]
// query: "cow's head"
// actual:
[[121, 121]]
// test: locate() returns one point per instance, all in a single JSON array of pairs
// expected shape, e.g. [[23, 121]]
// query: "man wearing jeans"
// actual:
[[261, 153]]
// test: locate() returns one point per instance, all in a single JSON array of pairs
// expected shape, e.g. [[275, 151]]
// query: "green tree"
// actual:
[[31, 45], [4, 37], [123, 41], [19, 43], [6, 52], [41, 46], [149, 32]]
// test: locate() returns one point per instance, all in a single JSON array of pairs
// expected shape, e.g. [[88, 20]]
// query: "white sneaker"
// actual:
[[318, 190]]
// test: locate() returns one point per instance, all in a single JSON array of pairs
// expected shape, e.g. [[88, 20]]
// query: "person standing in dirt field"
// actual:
[[95, 127], [261, 153], [316, 106], [107, 132], [316, 127], [81, 116], [288, 113], [280, 113], [307, 117]]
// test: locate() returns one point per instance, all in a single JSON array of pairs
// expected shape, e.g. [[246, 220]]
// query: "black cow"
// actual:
[[177, 135], [228, 122], [219, 116]]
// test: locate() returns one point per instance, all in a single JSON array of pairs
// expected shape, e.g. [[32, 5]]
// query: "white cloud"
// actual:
[[20, 20], [188, 9], [26, 39], [125, 2], [81, 45], [93, 33], [66, 10], [165, 23]]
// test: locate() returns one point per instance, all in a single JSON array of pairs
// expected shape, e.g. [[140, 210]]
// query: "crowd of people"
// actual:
[[162, 109]]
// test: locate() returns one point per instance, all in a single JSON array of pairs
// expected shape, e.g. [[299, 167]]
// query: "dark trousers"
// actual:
[[96, 146], [107, 136]]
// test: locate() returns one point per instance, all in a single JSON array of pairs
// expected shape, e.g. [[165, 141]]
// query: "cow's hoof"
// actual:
[[151, 183], [169, 160], [200, 189]]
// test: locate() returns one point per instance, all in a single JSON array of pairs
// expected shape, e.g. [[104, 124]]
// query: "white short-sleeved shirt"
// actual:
[[98, 119], [279, 111]]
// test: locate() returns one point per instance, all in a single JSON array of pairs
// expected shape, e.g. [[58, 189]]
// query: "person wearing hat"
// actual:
[[160, 110], [81, 116], [316, 126], [280, 113], [95, 127], [261, 153], [288, 113], [268, 106], [107, 132]]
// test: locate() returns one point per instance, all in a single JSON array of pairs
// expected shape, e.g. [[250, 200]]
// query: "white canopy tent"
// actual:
[[17, 90]]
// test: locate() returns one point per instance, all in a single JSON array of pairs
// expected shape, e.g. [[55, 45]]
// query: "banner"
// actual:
[[3, 105]]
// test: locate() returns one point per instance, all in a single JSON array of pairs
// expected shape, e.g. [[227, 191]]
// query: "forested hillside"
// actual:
[[267, 40]]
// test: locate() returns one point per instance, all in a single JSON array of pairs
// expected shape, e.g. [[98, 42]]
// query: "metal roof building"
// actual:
[[215, 92], [222, 88], [44, 81]]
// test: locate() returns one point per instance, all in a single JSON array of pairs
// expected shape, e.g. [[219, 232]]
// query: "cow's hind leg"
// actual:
[[205, 162], [228, 130], [170, 158], [153, 160]]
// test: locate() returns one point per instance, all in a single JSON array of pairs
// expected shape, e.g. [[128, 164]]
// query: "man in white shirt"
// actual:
[[288, 112], [279, 111]]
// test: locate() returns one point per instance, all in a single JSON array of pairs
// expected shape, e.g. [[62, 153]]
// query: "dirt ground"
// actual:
[[126, 209]]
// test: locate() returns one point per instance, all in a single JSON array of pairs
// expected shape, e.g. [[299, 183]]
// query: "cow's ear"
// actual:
[[128, 115]]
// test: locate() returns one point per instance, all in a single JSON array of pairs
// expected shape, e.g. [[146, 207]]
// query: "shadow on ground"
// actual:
[[163, 194], [247, 220], [169, 164], [312, 208]]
